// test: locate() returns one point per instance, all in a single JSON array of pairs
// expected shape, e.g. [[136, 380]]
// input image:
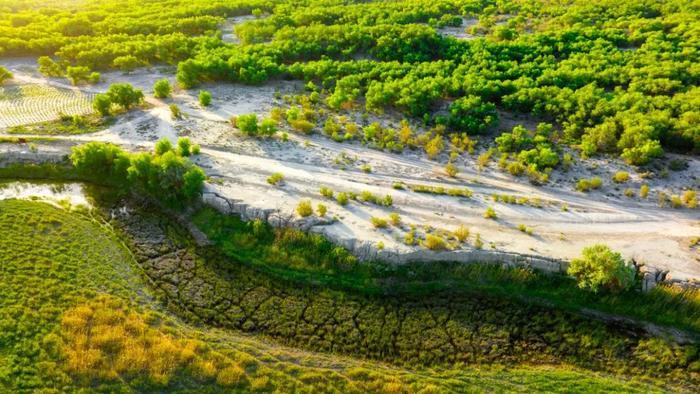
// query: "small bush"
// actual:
[[600, 268], [304, 208], [644, 191], [175, 112], [204, 98], [478, 243], [629, 192], [162, 88], [342, 198], [676, 201], [184, 146], [248, 124], [378, 222], [583, 185], [268, 127], [321, 210], [163, 145], [302, 125], [395, 218], [196, 149], [434, 242], [397, 185], [490, 213], [326, 192], [690, 198], [366, 168], [275, 178], [461, 233], [451, 170], [621, 177]]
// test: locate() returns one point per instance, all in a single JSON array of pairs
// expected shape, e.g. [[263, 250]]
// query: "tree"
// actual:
[[124, 95], [162, 88], [100, 161], [204, 98], [102, 104], [472, 115], [48, 67], [5, 74], [127, 63], [600, 268], [77, 74]]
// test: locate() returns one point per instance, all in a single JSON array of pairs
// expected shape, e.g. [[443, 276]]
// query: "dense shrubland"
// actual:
[[617, 77], [166, 175], [598, 78]]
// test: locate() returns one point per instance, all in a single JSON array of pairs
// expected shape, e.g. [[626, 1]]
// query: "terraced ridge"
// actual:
[[33, 103], [442, 329]]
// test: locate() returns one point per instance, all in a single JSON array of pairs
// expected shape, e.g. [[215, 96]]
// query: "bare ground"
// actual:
[[636, 227]]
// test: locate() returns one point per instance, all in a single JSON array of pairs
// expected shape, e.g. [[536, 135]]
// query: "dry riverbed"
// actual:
[[562, 221]]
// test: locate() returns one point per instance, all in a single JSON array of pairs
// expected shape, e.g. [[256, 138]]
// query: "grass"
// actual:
[[66, 125], [76, 313], [289, 259], [332, 267]]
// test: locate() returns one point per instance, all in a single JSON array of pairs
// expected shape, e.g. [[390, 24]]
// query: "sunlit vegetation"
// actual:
[[119, 96], [601, 269], [275, 178], [586, 185], [162, 88], [77, 314], [5, 75], [454, 192], [593, 67], [166, 175], [304, 208]]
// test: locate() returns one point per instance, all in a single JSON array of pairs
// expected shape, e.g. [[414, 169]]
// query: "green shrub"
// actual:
[[690, 198], [342, 198], [162, 88], [275, 178], [461, 233], [5, 75], [102, 104], [204, 98], [600, 268], [676, 201], [378, 222], [621, 177], [304, 208], [175, 111], [248, 124], [268, 127], [395, 218], [451, 170], [321, 210], [164, 175], [184, 146], [490, 213], [434, 242], [326, 192], [120, 94], [644, 191]]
